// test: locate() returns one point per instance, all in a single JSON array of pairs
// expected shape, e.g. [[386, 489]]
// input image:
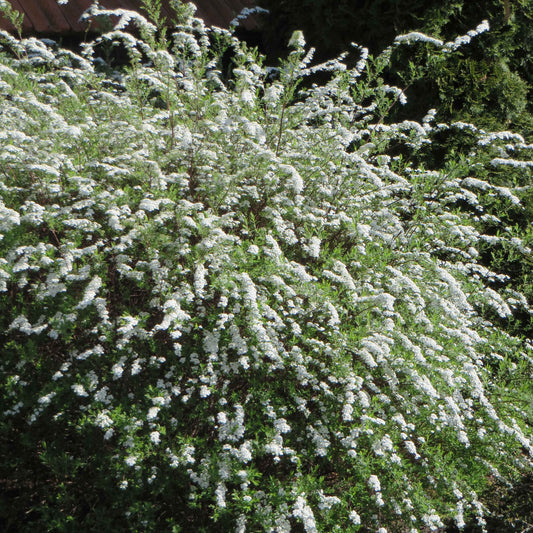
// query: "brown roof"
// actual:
[[48, 17]]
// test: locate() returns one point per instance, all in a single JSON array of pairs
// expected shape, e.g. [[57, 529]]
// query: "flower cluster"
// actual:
[[246, 305]]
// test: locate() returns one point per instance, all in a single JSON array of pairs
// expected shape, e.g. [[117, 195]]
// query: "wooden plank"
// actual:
[[45, 16], [73, 11], [216, 13]]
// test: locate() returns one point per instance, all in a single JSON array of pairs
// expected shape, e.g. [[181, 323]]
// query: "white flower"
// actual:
[[347, 411], [296, 180], [244, 453], [136, 367], [8, 217], [147, 204], [355, 518], [273, 93], [220, 494], [327, 502], [411, 448], [131, 460], [90, 292], [199, 280], [160, 400], [374, 484], [297, 39], [275, 447], [155, 437], [79, 390], [152, 412], [313, 247], [432, 520], [102, 420], [204, 391], [281, 425], [417, 36], [253, 249], [188, 454], [118, 370], [103, 396], [463, 438], [247, 97], [364, 399], [459, 516], [45, 400], [305, 513], [241, 521]]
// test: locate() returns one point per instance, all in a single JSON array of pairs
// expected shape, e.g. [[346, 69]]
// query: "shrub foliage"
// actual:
[[236, 305]]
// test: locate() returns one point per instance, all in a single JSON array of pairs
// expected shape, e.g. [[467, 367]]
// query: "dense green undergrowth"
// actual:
[[235, 305]]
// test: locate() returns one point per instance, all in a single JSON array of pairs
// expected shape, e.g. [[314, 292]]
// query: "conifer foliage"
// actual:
[[236, 305], [488, 83]]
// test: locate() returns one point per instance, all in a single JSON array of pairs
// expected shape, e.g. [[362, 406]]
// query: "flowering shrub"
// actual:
[[230, 305]]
